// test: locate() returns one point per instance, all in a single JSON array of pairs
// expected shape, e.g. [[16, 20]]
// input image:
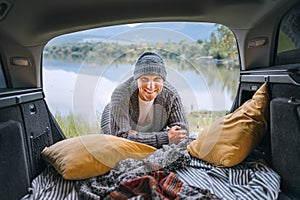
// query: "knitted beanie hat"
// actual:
[[150, 63]]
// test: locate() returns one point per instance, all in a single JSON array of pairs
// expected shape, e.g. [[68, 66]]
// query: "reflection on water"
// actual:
[[84, 89]]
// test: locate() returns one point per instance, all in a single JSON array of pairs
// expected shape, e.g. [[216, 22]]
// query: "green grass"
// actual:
[[199, 120], [73, 126]]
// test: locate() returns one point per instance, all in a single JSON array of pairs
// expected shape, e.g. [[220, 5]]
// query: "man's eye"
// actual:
[[158, 80], [144, 79]]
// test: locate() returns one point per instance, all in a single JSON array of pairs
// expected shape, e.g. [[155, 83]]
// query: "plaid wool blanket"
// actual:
[[150, 178]]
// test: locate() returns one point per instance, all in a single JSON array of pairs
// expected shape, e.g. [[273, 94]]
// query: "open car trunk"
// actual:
[[27, 126]]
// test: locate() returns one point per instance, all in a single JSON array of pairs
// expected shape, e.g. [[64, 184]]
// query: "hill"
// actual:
[[138, 32]]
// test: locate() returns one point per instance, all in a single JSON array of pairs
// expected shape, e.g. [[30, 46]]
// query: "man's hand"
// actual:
[[176, 135]]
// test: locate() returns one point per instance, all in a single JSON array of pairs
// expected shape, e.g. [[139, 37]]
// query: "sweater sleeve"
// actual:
[[155, 139], [119, 111], [177, 115]]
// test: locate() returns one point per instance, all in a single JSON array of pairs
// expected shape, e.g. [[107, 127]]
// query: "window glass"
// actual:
[[82, 69], [288, 50], [2, 78]]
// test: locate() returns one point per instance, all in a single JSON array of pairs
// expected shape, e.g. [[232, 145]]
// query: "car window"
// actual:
[[288, 50], [2, 78], [80, 70]]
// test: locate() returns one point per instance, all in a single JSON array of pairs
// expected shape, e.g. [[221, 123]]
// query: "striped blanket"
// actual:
[[252, 179], [169, 173]]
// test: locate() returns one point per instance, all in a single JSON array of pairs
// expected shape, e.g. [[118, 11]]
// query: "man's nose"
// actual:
[[150, 84]]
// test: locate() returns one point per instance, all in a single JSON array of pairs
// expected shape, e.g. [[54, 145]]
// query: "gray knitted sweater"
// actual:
[[122, 113]]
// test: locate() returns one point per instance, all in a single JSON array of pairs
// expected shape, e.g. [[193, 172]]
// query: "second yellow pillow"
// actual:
[[227, 141]]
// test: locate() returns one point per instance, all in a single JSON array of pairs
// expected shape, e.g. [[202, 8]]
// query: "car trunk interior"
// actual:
[[27, 126]]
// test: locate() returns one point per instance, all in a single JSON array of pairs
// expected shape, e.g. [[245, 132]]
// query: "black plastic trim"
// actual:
[[10, 98], [279, 69], [274, 78]]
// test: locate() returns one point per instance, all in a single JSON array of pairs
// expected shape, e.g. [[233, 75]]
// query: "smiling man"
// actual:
[[146, 108]]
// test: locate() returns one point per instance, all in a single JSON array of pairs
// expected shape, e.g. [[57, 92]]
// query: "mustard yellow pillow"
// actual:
[[92, 155], [228, 140]]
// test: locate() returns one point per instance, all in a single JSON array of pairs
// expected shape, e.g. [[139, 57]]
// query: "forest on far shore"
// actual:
[[221, 47]]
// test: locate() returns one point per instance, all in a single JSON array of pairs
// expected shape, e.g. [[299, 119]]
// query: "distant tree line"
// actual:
[[220, 46]]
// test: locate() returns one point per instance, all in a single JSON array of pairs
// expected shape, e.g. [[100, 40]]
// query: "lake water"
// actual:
[[84, 89]]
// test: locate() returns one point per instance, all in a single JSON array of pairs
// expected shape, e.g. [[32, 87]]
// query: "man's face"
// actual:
[[149, 86]]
